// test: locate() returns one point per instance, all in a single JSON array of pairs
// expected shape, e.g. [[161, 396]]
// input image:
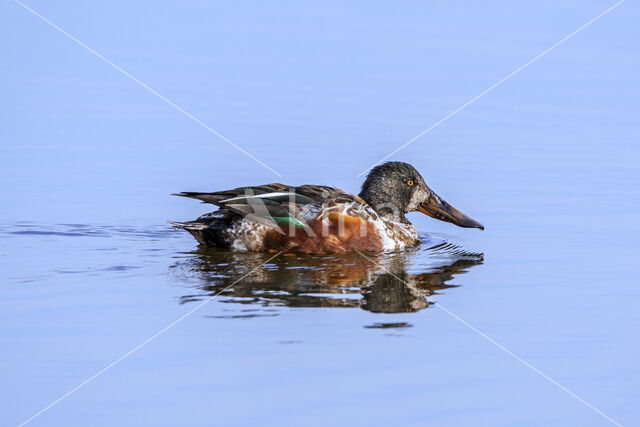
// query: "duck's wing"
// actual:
[[216, 197], [278, 204]]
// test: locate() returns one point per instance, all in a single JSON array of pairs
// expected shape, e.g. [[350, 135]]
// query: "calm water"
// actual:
[[548, 162]]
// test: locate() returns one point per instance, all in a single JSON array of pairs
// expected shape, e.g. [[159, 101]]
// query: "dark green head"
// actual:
[[396, 188]]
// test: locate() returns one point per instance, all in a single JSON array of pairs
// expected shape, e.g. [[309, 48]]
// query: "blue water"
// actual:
[[547, 161]]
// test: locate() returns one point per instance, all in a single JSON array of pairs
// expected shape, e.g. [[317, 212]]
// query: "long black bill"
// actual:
[[437, 208]]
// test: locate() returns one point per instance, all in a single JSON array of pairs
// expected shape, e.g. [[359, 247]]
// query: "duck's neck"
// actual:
[[384, 206]]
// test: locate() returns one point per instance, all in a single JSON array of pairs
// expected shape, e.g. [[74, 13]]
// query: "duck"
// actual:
[[317, 219]]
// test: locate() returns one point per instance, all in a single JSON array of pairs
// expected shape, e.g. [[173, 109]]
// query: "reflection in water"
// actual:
[[395, 283]]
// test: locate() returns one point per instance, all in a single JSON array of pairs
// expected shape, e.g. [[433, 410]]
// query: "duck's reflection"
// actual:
[[377, 283]]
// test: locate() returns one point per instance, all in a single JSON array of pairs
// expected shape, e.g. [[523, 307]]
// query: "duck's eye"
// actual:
[[409, 182]]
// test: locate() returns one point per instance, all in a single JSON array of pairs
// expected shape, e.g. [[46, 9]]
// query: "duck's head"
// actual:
[[396, 188]]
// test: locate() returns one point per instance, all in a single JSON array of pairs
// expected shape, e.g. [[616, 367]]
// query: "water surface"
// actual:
[[547, 161]]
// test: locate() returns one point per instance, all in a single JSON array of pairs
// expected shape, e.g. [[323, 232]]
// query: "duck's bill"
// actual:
[[439, 209]]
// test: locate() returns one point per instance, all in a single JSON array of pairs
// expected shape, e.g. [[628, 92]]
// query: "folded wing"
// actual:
[[276, 204]]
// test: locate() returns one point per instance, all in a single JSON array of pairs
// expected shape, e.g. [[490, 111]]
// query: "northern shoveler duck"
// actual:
[[319, 219]]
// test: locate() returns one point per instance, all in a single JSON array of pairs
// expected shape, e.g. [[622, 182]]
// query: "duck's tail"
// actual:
[[189, 225], [211, 229]]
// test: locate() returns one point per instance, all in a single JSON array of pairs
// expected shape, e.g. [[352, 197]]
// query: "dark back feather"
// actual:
[[274, 202]]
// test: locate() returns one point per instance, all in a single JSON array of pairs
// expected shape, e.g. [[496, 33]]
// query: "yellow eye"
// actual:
[[409, 182]]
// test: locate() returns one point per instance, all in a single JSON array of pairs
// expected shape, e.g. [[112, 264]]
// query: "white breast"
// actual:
[[396, 235]]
